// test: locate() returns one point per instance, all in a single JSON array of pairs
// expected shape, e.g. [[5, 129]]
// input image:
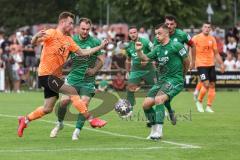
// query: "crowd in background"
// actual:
[[19, 59]]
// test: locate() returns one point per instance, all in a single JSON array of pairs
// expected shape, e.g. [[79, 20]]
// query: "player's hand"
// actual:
[[41, 34], [91, 72], [138, 46], [222, 68], [104, 43]]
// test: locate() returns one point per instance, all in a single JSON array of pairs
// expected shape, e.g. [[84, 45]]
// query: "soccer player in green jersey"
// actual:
[[82, 77], [139, 69], [177, 35], [173, 63]]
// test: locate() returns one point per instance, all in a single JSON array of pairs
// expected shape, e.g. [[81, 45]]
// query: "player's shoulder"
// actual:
[[180, 32], [176, 43], [51, 31], [197, 36]]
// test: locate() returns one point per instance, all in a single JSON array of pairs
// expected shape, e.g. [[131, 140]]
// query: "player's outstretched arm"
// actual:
[[219, 60], [138, 47], [87, 52], [192, 53]]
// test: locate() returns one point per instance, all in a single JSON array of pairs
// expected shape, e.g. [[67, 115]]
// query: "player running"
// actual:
[[139, 69], [177, 35], [56, 46], [206, 52], [173, 63], [82, 77]]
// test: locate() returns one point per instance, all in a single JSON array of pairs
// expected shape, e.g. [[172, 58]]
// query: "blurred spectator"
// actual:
[[231, 44], [5, 43], [118, 82], [237, 65], [191, 33], [1, 38], [9, 61], [93, 31], [102, 34], [16, 52], [2, 63], [120, 36], [229, 62], [118, 61], [111, 34], [30, 60], [108, 57], [143, 34], [220, 46]]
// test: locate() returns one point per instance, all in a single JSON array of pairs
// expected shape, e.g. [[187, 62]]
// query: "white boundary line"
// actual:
[[82, 149], [181, 145]]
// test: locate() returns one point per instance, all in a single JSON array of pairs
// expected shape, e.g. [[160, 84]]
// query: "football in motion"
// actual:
[[123, 108]]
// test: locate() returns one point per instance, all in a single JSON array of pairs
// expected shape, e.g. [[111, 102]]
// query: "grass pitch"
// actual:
[[197, 136]]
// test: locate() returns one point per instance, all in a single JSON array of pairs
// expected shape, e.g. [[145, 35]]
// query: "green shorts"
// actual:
[[149, 76], [84, 89], [169, 88]]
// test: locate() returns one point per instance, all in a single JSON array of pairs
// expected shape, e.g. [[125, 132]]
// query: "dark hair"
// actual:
[[132, 27], [65, 15], [170, 17], [86, 20], [162, 25], [206, 22]]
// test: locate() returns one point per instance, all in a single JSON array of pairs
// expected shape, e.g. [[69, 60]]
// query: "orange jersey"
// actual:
[[56, 48], [205, 46]]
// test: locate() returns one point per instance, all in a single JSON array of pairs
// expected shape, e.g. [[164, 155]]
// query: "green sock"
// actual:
[[131, 98], [80, 122], [168, 106], [61, 111], [150, 115], [160, 113]]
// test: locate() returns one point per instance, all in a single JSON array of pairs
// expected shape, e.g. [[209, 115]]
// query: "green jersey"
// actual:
[[170, 61], [131, 53], [82, 63], [177, 36]]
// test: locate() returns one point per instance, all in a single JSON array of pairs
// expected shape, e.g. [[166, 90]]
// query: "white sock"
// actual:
[[77, 131], [26, 120]]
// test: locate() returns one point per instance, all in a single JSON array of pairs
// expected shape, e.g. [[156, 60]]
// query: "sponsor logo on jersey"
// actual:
[[163, 60], [182, 51]]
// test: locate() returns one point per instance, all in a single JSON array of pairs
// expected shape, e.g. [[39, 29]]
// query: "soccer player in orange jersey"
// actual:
[[57, 44], [206, 53]]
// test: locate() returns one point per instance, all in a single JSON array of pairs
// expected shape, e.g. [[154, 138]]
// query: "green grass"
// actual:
[[217, 134]]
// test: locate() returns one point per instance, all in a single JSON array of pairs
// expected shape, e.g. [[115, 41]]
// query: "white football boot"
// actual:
[[199, 106], [59, 126], [75, 135], [209, 109]]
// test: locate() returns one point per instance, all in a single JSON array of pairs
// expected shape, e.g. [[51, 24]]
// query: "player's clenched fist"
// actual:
[[138, 46], [104, 43]]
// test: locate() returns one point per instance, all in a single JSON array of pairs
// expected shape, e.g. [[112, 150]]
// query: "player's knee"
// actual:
[[47, 110], [206, 84], [148, 103], [160, 100], [131, 88]]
